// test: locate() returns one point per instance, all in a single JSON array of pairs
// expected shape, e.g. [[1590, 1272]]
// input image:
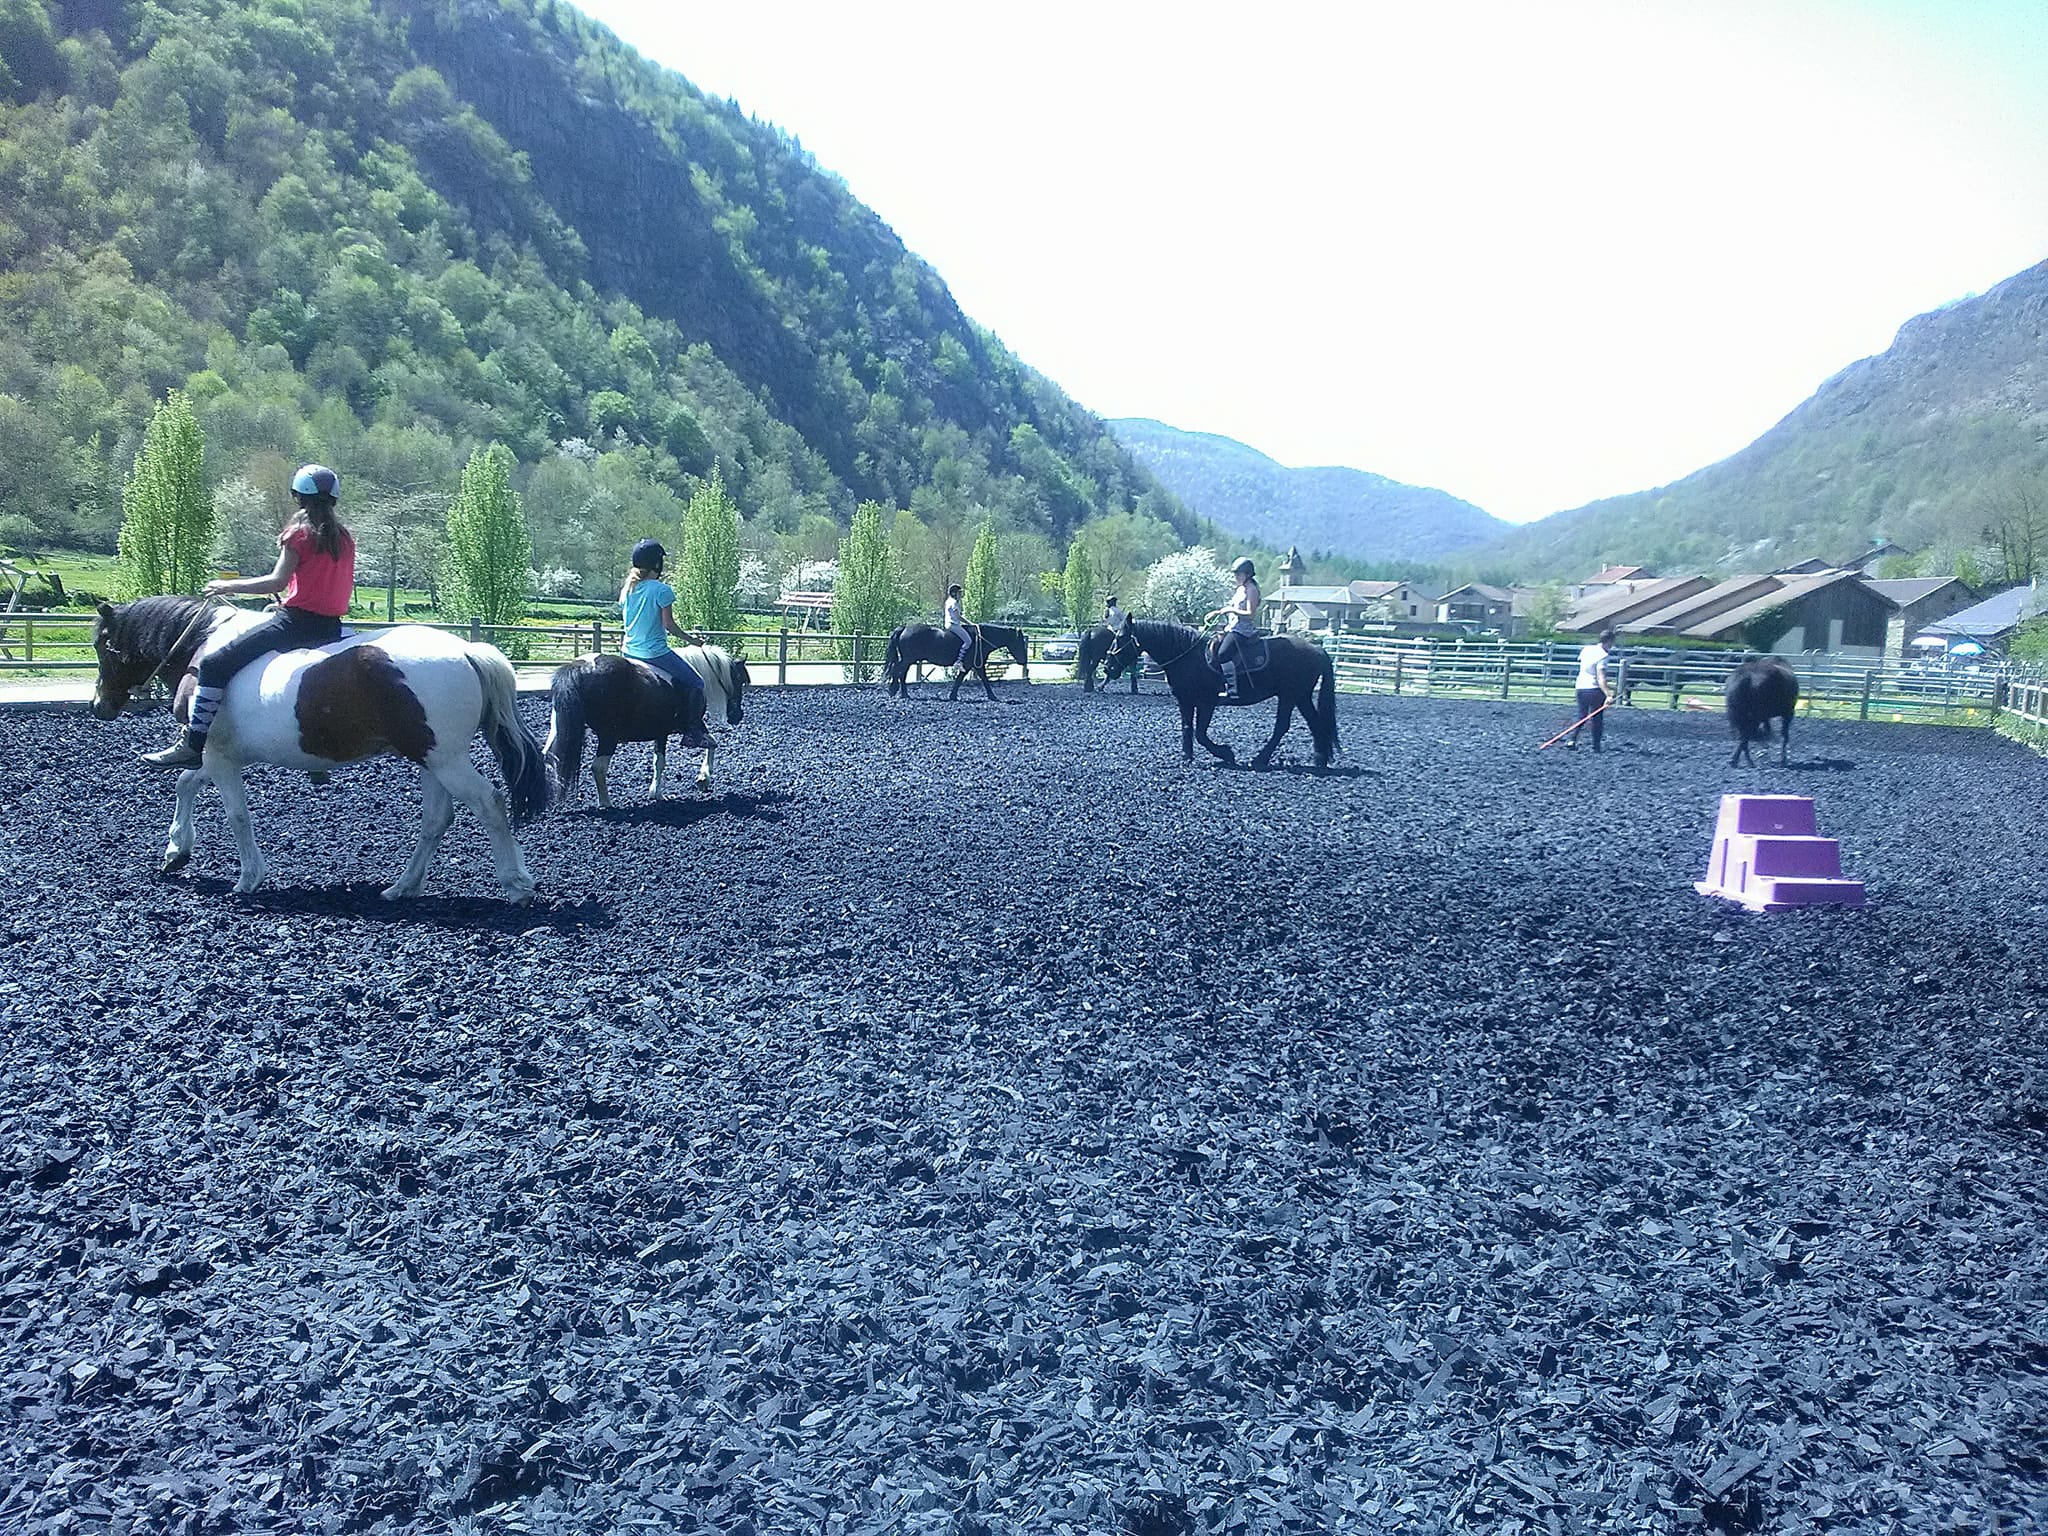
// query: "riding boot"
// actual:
[[189, 750]]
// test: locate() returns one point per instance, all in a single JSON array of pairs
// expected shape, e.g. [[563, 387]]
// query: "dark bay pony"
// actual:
[[1298, 673], [412, 692], [1762, 689], [620, 700], [1098, 649], [912, 644]]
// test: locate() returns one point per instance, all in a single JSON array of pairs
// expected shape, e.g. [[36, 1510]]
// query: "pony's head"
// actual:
[[1018, 644], [123, 669], [737, 682], [1117, 651]]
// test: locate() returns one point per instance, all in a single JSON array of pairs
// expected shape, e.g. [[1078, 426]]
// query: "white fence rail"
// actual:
[[62, 642], [1668, 679]]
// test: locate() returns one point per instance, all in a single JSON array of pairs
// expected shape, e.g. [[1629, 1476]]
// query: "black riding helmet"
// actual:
[[648, 555], [1244, 564]]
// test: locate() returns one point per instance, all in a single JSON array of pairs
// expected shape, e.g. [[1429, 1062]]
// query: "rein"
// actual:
[[212, 606]]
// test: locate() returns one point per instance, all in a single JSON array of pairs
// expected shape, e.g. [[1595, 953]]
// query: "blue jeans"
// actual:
[[676, 669]]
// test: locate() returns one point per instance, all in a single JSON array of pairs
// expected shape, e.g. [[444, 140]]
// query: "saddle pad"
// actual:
[[1252, 654]]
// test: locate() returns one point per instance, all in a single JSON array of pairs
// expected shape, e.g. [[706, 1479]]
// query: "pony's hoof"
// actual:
[[246, 887], [521, 896], [703, 786], [393, 893], [173, 861]]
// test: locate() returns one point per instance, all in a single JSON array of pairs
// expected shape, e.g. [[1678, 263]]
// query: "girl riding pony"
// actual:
[[649, 605], [316, 572]]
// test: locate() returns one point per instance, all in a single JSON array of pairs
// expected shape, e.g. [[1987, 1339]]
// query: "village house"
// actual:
[[1916, 603]]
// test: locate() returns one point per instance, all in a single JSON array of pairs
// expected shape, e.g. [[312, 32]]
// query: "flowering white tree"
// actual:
[[1187, 585]]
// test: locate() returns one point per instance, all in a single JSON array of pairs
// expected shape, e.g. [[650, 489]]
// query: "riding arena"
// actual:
[[973, 1117]]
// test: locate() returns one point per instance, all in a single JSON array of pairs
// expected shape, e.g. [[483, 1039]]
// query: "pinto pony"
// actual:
[[412, 692], [1759, 691], [620, 700], [912, 644]]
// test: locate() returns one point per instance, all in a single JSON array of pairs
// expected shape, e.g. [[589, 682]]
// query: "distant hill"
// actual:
[[1342, 511], [381, 233], [1924, 444]]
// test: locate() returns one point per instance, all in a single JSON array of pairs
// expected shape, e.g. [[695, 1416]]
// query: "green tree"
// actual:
[[981, 593], [1079, 586], [489, 550], [167, 517], [708, 576], [868, 596], [1547, 609]]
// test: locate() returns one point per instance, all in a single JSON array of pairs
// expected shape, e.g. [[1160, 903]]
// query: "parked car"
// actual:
[[1060, 648]]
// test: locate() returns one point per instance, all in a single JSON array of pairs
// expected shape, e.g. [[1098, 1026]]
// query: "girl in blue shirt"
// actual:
[[649, 604]]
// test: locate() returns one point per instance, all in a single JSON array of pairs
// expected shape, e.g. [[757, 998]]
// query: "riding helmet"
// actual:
[[648, 555], [1244, 563], [316, 480]]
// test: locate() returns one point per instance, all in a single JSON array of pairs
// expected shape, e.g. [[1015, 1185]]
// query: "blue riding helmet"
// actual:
[[648, 555], [316, 480]]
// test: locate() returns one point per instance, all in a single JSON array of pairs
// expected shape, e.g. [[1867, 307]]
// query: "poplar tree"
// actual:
[[868, 595], [981, 592], [167, 517], [1079, 586], [707, 578], [489, 550]]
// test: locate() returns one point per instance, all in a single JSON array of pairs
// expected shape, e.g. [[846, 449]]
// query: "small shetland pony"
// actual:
[[912, 644], [413, 692], [620, 700], [1759, 691]]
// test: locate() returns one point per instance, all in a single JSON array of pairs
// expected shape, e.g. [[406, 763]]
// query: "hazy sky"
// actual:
[[1530, 251]]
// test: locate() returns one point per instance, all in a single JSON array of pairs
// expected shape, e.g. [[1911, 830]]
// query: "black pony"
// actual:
[[912, 644], [1098, 649], [1760, 691], [1294, 672]]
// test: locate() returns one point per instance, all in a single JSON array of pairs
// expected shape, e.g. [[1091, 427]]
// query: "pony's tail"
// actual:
[[1322, 718], [512, 744], [893, 668], [565, 730]]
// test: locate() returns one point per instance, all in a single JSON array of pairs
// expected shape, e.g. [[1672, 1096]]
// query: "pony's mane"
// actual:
[[151, 626], [1161, 631]]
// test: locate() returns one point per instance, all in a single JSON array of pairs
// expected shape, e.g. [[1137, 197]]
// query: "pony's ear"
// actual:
[[106, 609]]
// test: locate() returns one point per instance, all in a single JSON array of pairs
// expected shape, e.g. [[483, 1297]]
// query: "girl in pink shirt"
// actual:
[[316, 573]]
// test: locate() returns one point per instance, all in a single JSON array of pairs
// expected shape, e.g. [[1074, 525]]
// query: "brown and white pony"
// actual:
[[618, 699], [413, 692]]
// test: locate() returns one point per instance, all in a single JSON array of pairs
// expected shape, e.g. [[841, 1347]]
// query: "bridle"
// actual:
[[208, 609]]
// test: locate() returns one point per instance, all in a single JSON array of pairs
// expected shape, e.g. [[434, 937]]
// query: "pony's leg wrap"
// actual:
[[234, 800], [660, 768], [600, 775], [437, 810], [704, 771]]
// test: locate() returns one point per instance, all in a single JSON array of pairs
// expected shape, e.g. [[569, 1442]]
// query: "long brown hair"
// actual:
[[328, 528]]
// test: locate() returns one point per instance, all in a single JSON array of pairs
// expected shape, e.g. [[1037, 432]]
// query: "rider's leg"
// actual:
[[684, 676], [966, 637], [1226, 653], [279, 632]]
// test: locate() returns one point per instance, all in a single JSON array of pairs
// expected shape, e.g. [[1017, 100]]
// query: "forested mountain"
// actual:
[[1344, 511], [1939, 443], [379, 234]]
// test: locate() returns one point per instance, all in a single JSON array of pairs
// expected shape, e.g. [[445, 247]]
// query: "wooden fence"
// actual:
[[1844, 687], [2026, 698], [62, 642], [1841, 686]]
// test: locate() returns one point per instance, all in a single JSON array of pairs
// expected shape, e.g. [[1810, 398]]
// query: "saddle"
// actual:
[[1248, 659]]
